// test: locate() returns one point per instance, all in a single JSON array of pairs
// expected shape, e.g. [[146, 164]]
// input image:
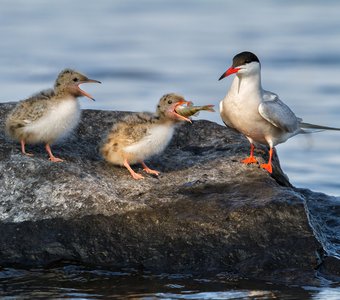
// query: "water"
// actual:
[[77, 282], [143, 49]]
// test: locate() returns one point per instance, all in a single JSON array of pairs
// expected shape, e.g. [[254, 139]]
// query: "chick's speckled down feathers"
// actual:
[[49, 115], [28, 111], [141, 135]]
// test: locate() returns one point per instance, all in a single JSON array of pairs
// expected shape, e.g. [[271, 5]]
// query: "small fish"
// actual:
[[191, 110]]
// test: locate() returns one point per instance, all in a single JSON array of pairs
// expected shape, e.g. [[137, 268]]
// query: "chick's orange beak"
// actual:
[[83, 92], [178, 116]]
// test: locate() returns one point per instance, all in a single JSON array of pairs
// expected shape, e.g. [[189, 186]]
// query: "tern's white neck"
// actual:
[[246, 84]]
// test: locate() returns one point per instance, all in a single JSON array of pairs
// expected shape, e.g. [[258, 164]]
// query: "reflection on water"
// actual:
[[76, 282]]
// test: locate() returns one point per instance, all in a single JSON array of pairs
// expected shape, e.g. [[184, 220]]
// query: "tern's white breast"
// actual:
[[156, 140], [57, 123]]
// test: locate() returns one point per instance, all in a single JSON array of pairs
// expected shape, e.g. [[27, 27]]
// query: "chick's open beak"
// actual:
[[178, 115], [83, 92]]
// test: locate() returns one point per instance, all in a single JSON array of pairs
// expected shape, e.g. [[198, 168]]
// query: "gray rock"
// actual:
[[206, 212]]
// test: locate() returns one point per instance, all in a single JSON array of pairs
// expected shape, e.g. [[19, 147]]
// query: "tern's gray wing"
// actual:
[[277, 113]]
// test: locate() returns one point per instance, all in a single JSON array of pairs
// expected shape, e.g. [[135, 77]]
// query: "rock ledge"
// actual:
[[205, 213]]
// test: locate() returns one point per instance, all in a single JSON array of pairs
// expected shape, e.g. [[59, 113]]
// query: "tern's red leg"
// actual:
[[251, 159], [52, 157], [268, 166], [22, 142], [148, 170], [132, 172]]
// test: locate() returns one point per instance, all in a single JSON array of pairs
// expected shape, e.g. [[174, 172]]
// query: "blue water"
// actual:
[[143, 49]]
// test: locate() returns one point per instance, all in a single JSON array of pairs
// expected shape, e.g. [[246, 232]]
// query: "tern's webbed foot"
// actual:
[[249, 160], [267, 167]]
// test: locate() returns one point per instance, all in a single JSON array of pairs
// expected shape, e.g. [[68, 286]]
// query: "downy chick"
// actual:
[[49, 115], [139, 136]]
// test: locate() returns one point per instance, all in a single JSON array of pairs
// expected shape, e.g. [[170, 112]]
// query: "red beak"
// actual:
[[230, 71]]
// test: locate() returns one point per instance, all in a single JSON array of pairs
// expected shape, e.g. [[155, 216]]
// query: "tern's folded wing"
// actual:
[[277, 113]]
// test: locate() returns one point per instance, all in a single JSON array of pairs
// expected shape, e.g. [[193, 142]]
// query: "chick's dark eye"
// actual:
[[75, 79], [170, 101]]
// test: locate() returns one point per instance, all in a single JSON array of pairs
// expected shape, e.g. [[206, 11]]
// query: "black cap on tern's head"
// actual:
[[240, 59], [243, 58]]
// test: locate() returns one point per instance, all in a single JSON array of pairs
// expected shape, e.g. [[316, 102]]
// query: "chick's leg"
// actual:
[[23, 150], [132, 172], [52, 157], [148, 170]]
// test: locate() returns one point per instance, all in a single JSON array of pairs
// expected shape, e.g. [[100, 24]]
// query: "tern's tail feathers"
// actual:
[[317, 127]]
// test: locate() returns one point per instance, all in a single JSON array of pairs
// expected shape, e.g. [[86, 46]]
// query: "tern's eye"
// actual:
[[75, 79], [247, 61], [170, 102]]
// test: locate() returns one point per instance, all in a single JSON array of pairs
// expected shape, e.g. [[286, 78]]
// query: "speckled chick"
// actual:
[[49, 115], [139, 136]]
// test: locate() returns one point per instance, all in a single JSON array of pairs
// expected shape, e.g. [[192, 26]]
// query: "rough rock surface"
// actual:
[[206, 212]]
